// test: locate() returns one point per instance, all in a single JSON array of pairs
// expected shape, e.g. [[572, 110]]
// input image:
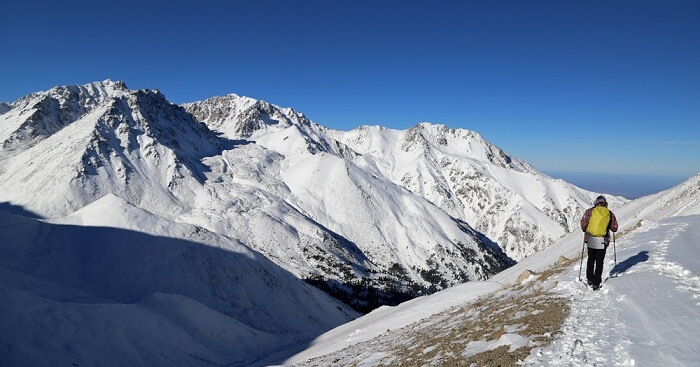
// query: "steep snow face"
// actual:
[[409, 243], [392, 226], [112, 140], [113, 284], [248, 200], [521, 209]]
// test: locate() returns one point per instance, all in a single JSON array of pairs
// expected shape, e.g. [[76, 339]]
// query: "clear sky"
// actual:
[[577, 86]]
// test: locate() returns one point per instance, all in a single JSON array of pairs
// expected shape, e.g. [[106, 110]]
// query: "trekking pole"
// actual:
[[614, 257], [614, 251], [581, 268]]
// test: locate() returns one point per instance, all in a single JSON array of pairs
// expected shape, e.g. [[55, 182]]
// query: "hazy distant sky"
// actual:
[[587, 86]]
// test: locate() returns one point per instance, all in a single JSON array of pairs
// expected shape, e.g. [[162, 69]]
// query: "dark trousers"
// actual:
[[594, 270]]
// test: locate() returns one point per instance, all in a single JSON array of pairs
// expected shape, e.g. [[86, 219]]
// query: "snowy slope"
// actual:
[[683, 199], [518, 207], [401, 236], [88, 141], [645, 314], [113, 284]]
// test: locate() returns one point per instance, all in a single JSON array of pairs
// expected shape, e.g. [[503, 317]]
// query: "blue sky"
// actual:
[[576, 86]]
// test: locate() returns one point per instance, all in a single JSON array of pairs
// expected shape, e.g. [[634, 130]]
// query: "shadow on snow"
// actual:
[[101, 265], [622, 267]]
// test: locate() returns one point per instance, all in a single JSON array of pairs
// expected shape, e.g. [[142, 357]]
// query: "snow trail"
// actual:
[[641, 314], [591, 329]]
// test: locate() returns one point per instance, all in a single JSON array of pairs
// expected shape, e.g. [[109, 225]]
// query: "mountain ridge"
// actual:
[[320, 202], [455, 169], [244, 185]]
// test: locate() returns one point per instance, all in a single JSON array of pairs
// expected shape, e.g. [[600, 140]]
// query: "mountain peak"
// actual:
[[426, 136], [242, 117], [41, 114], [95, 91], [112, 84]]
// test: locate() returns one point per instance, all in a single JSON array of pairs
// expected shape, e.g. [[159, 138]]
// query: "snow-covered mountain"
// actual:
[[113, 284], [185, 234], [67, 147], [680, 200], [505, 198], [277, 182], [537, 313], [457, 170], [370, 214], [402, 236]]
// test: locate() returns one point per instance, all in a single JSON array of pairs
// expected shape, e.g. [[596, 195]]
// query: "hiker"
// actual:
[[597, 223]]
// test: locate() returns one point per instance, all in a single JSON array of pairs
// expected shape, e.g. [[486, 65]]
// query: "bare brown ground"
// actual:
[[526, 309]]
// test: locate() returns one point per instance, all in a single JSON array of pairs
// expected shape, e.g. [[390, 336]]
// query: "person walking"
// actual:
[[597, 222]]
